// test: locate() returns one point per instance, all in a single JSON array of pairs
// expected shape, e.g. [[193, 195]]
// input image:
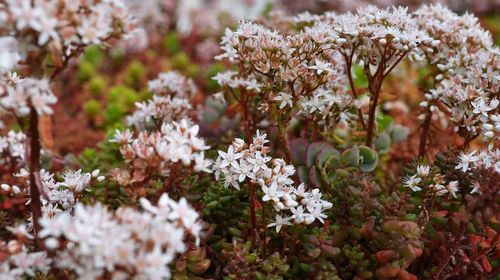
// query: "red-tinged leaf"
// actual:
[[491, 233], [486, 263], [256, 204], [485, 244], [440, 214], [45, 128], [474, 239], [405, 275], [385, 255]]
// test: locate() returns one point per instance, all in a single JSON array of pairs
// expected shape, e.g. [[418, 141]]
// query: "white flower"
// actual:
[[253, 85], [231, 180], [271, 192], [299, 216], [476, 187], [423, 170], [452, 188], [76, 181], [229, 158], [280, 221], [285, 98], [47, 30], [259, 162], [321, 66], [122, 137], [412, 183], [465, 160]]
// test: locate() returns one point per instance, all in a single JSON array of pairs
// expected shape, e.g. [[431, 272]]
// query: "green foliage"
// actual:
[[94, 55], [92, 108], [211, 72], [172, 43], [86, 71], [135, 73], [360, 79], [113, 114], [181, 61], [123, 97], [318, 163], [97, 85]]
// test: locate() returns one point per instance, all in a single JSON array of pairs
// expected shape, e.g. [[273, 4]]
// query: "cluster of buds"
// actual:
[[12, 149], [127, 243], [17, 97], [156, 153], [16, 262], [57, 196], [170, 102], [471, 95], [62, 28], [281, 69], [427, 178], [251, 163], [467, 71]]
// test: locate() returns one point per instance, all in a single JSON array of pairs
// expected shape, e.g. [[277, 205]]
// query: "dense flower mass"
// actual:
[[353, 140], [12, 148], [123, 244], [157, 153], [170, 101], [17, 98], [65, 25], [249, 163]]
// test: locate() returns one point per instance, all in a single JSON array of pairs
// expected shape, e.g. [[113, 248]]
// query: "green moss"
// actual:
[[135, 73], [211, 72], [113, 114], [123, 97], [181, 61], [97, 85], [172, 43], [85, 71], [94, 55], [92, 108]]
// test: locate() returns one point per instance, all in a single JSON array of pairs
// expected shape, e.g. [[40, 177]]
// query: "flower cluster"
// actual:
[[380, 38], [251, 164], [280, 69], [437, 181], [62, 27], [17, 262], [123, 244], [18, 97], [173, 84], [485, 159], [467, 70], [156, 153], [456, 34], [170, 102], [58, 197], [12, 148], [471, 95]]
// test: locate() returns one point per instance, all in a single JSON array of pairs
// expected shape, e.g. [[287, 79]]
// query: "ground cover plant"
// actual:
[[184, 140]]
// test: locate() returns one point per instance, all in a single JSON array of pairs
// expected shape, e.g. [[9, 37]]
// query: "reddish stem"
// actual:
[[253, 215], [34, 165], [425, 132]]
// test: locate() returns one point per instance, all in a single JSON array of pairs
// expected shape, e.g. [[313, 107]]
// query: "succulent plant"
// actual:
[[318, 163], [392, 134], [92, 108], [135, 73], [191, 264], [97, 85]]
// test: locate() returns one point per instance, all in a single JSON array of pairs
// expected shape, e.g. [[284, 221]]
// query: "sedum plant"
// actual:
[[357, 145]]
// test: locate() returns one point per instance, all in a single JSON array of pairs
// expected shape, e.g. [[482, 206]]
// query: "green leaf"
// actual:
[[313, 151], [298, 150]]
